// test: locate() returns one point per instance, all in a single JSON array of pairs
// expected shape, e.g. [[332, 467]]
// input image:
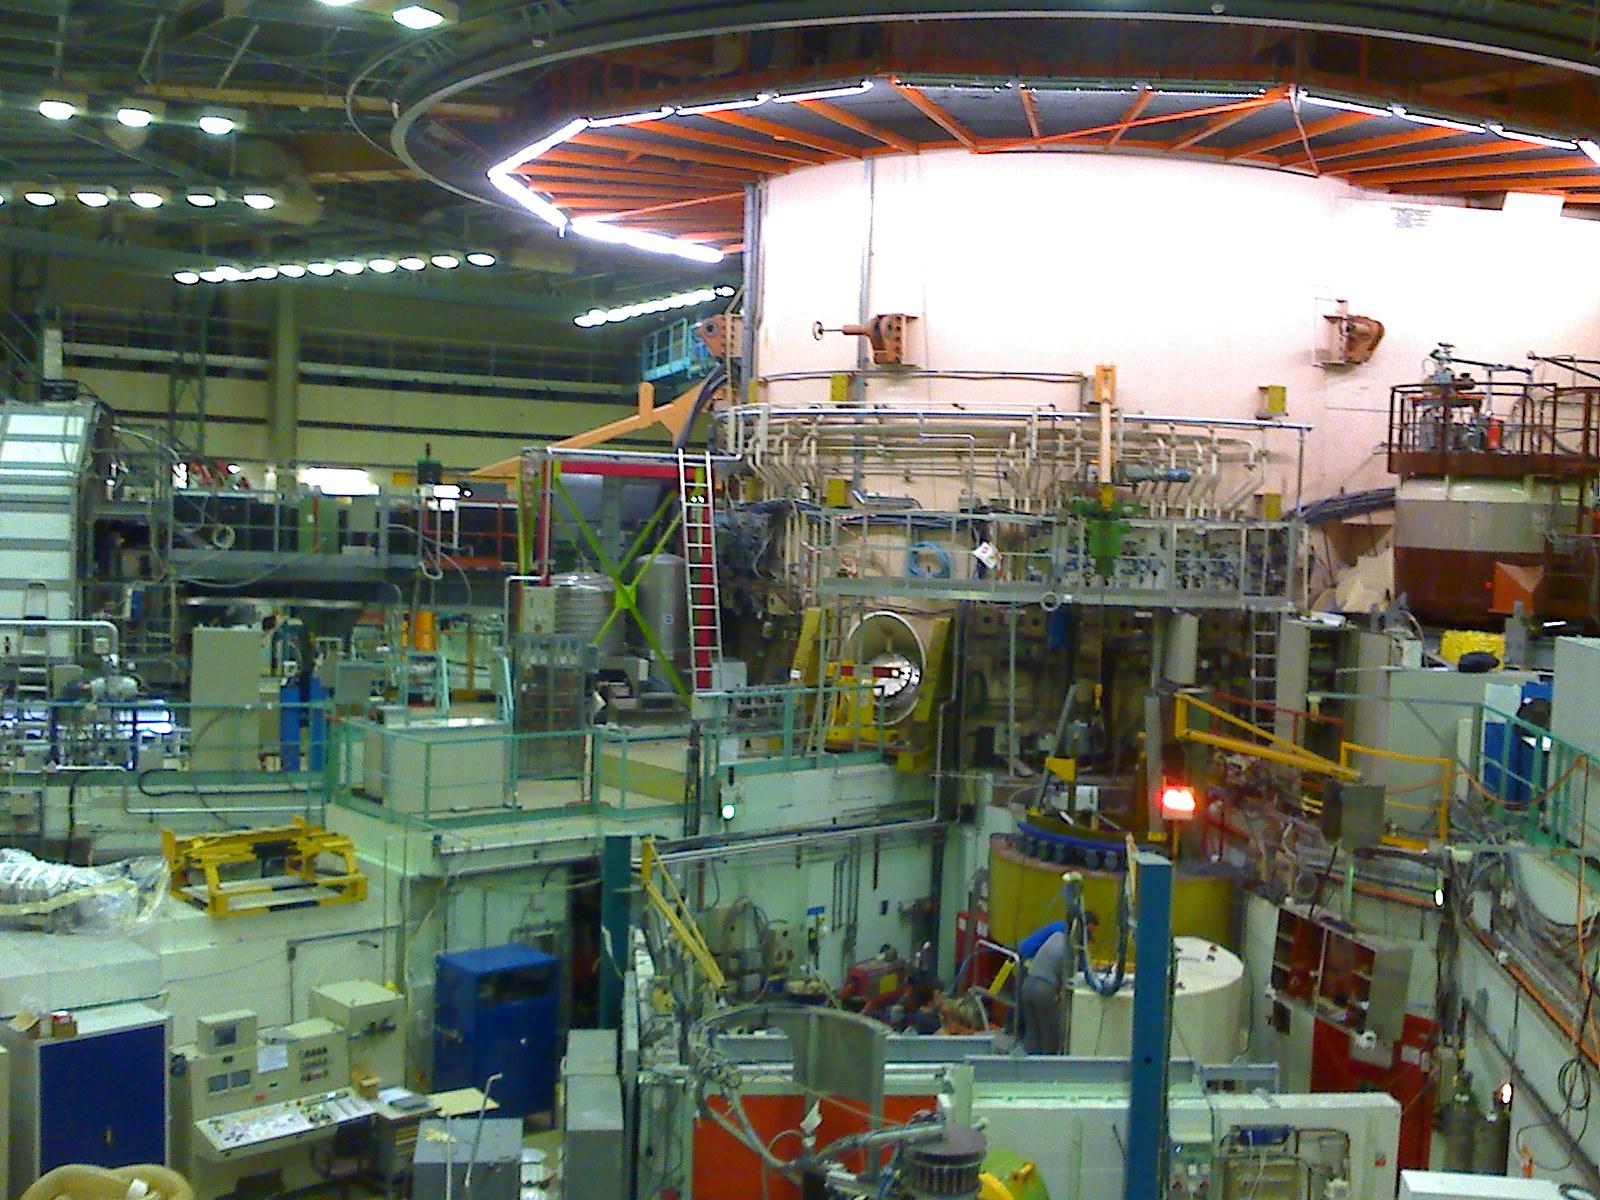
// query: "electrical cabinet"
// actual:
[[99, 1097], [496, 1010]]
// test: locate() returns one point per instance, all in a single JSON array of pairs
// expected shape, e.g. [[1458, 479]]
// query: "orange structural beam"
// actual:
[[1479, 170], [1291, 136], [645, 147], [786, 133], [849, 120], [1030, 110], [672, 205], [580, 158], [1212, 110], [937, 115], [1212, 127], [1488, 148], [1541, 183], [1373, 145], [1131, 114], [772, 148]]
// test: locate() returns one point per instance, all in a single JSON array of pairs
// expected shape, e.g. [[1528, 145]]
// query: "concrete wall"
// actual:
[[1199, 281], [364, 426]]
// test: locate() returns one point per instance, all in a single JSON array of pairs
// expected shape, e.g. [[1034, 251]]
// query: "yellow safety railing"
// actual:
[[668, 901], [1272, 748], [1445, 783]]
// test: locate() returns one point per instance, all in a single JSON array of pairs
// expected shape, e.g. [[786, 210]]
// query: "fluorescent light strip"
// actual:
[[626, 312], [825, 93], [639, 118], [641, 239], [1590, 149], [1438, 122], [696, 110], [1370, 110], [1532, 139]]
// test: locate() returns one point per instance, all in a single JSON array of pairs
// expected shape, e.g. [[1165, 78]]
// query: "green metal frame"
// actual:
[[626, 596]]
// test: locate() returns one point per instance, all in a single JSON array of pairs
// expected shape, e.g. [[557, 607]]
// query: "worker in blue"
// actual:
[[1047, 962], [1047, 974]]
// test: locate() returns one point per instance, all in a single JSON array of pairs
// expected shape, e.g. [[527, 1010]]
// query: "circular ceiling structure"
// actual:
[[642, 124]]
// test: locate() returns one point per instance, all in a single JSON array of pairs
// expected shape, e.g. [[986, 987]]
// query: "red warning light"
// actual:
[[1178, 803]]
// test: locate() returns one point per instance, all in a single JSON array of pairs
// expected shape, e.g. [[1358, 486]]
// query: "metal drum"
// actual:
[[583, 602], [663, 606]]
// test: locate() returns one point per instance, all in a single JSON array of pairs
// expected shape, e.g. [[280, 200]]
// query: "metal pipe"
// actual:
[[48, 623], [745, 412], [798, 838]]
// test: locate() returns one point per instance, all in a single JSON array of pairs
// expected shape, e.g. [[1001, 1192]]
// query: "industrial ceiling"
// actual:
[[370, 127]]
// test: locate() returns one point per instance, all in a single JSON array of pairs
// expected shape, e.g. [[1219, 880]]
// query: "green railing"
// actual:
[[432, 772]]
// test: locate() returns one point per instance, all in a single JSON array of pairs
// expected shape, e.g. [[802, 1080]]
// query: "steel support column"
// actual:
[[283, 383], [616, 923], [1145, 1173]]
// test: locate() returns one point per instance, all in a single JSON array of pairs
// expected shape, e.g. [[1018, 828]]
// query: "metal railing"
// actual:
[[1476, 427]]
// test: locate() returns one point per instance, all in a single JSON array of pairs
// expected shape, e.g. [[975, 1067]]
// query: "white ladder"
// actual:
[[697, 496]]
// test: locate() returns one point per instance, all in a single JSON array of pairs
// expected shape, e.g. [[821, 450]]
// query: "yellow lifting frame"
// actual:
[[197, 864], [668, 901]]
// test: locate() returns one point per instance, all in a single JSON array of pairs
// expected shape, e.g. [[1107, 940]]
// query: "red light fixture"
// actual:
[[1178, 803]]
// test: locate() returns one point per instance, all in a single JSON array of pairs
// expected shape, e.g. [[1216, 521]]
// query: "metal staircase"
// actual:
[[696, 493]]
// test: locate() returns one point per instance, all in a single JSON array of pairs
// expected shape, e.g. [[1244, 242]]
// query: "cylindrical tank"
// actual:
[[663, 606], [583, 602], [1025, 893], [1450, 533], [1491, 1144], [1208, 1008]]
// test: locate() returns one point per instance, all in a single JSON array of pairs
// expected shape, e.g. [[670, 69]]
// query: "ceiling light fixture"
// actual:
[[146, 198], [202, 199], [825, 93], [1404, 114], [56, 109], [481, 258], [383, 266], [291, 270], [349, 266], [1371, 110], [696, 110], [39, 198], [638, 118], [445, 262], [1533, 139], [260, 201], [186, 277], [264, 273], [214, 275], [1591, 149], [641, 239], [419, 17], [94, 198], [322, 269], [411, 263], [217, 125], [134, 116], [626, 312]]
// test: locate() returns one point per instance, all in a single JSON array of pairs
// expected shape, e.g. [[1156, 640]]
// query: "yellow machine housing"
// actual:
[[1025, 893]]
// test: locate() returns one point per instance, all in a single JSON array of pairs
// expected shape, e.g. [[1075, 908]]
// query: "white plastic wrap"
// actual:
[[59, 898]]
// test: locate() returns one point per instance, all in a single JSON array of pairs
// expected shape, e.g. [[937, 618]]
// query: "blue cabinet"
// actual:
[[99, 1097], [496, 1011]]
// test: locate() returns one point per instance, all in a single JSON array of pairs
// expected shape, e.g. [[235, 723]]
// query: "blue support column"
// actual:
[[616, 923], [1145, 1174]]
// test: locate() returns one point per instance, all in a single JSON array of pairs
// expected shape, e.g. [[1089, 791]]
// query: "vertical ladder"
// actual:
[[697, 497], [1263, 664]]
